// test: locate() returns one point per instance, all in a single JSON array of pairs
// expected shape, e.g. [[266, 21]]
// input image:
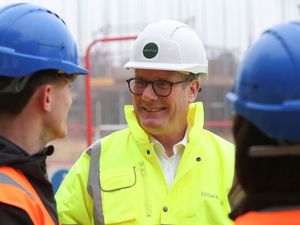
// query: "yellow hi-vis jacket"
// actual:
[[130, 187]]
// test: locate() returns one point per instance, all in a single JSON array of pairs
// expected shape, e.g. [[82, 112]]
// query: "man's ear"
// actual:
[[193, 90], [46, 92]]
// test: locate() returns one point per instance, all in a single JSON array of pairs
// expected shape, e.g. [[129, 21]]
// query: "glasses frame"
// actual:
[[152, 82]]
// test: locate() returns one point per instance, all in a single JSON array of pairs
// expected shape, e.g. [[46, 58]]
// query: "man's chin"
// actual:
[[61, 135], [152, 128]]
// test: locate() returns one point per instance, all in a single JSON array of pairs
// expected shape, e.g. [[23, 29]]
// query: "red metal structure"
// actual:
[[89, 116]]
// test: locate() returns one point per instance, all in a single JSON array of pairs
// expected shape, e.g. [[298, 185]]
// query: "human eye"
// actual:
[[140, 82], [70, 84], [163, 84]]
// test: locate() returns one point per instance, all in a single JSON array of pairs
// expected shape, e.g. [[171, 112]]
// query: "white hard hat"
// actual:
[[168, 45]]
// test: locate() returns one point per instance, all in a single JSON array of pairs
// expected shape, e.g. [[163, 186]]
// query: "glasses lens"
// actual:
[[162, 87], [137, 86]]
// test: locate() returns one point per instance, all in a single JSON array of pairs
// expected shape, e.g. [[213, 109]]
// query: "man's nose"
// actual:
[[148, 93]]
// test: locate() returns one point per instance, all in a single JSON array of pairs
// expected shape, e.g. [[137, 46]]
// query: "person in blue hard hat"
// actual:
[[38, 63], [266, 101]]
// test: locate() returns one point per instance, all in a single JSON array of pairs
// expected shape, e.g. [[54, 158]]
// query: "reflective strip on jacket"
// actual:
[[288, 217], [133, 186], [16, 191]]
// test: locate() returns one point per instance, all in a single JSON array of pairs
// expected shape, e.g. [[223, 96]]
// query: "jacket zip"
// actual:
[[146, 192]]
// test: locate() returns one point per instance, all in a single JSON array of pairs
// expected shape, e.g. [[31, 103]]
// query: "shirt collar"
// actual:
[[159, 149]]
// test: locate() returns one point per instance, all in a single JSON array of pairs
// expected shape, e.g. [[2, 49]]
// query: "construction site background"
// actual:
[[226, 27]]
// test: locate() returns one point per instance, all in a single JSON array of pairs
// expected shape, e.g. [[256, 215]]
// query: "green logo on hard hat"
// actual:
[[150, 50]]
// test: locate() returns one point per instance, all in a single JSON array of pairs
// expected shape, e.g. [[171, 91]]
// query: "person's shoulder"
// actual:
[[214, 145], [218, 140], [116, 134], [115, 137], [220, 148]]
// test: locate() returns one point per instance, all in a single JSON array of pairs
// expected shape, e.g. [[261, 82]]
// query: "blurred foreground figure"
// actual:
[[165, 168], [266, 101], [38, 62]]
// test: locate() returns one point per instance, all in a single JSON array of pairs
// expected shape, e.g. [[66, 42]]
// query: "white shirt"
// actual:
[[169, 165]]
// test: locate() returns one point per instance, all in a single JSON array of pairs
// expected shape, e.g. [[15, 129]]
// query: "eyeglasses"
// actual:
[[161, 88]]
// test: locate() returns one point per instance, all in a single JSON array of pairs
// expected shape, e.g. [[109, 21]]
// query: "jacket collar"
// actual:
[[195, 118]]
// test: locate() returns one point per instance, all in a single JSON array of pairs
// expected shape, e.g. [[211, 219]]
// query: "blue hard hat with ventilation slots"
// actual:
[[33, 38], [267, 89]]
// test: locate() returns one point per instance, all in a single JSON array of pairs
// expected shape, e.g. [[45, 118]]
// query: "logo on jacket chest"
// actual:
[[209, 195]]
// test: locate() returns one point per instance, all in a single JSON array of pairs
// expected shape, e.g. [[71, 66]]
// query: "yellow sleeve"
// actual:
[[74, 204]]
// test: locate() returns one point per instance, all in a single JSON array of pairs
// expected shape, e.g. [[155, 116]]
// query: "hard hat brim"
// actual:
[[193, 68], [9, 68]]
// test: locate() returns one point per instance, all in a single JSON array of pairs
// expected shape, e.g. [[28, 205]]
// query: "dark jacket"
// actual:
[[34, 169]]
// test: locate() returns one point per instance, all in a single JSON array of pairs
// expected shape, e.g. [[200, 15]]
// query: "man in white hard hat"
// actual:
[[165, 168]]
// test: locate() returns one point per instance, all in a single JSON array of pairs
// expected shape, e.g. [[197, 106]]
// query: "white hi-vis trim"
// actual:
[[94, 151], [4, 179]]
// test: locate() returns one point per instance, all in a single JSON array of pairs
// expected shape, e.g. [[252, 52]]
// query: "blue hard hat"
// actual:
[[33, 38], [267, 89]]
